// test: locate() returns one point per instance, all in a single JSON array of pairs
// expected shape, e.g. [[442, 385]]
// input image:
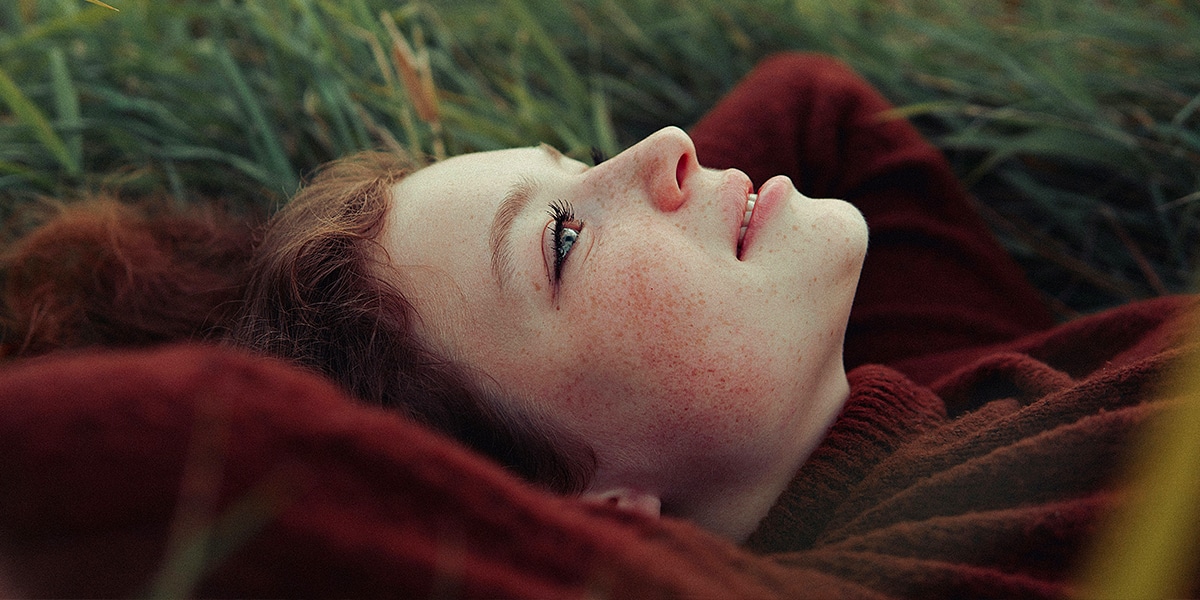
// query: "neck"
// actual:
[[734, 510]]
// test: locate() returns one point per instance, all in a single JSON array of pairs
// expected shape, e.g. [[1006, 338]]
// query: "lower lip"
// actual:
[[773, 194]]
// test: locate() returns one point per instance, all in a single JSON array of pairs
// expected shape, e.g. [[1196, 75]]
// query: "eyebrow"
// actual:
[[511, 207]]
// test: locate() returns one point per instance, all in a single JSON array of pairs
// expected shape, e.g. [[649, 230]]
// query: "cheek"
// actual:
[[664, 336]]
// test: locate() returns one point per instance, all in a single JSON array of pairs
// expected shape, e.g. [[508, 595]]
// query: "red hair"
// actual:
[[312, 292], [320, 297], [100, 272]]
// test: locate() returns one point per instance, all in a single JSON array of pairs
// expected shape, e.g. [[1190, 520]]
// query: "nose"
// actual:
[[661, 165]]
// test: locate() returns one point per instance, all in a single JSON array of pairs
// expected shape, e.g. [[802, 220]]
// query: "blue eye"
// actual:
[[566, 238], [566, 232]]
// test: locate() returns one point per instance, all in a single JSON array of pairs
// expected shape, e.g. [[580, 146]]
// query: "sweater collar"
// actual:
[[885, 409]]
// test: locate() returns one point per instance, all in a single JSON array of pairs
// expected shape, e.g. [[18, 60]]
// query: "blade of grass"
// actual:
[[66, 102], [1187, 111], [58, 25], [564, 74], [333, 102], [1060, 73], [240, 163], [1052, 250], [16, 174], [1131, 246], [1061, 143], [99, 3], [606, 136], [32, 117], [281, 168]]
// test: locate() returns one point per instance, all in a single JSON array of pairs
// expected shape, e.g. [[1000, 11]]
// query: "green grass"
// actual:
[[1076, 123]]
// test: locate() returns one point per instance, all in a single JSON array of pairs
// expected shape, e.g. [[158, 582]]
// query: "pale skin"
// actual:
[[702, 374]]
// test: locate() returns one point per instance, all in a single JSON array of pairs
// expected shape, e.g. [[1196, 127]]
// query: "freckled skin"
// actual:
[[698, 378]]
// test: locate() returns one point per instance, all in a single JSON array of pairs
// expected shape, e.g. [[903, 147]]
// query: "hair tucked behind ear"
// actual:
[[317, 298]]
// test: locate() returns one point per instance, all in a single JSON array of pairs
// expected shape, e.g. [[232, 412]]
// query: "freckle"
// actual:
[[795, 228], [537, 287]]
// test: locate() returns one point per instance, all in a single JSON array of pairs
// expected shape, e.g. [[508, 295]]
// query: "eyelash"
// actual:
[[564, 222]]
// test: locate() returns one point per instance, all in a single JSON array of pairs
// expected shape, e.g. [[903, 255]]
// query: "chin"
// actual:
[[855, 236], [852, 220]]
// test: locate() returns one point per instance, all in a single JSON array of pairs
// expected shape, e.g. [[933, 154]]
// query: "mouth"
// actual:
[[750, 200]]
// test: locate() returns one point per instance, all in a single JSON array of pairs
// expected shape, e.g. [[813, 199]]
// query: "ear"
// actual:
[[626, 499]]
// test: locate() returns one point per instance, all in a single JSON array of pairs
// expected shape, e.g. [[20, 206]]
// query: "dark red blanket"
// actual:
[[973, 459]]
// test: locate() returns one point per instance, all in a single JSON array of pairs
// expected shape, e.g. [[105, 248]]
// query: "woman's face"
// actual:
[[618, 301]]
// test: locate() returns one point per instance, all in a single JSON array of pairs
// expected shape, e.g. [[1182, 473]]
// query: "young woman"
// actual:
[[689, 328], [677, 329]]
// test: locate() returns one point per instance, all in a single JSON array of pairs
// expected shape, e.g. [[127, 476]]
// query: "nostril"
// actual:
[[681, 171]]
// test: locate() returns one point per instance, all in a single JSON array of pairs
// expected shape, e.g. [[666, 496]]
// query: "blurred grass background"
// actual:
[[1077, 124]]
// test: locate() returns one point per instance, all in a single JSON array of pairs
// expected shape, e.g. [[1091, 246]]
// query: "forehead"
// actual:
[[437, 230], [477, 172], [449, 205]]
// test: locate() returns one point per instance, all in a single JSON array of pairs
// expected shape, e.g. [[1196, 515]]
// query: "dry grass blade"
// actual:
[[1054, 252], [99, 3], [1135, 252], [417, 76]]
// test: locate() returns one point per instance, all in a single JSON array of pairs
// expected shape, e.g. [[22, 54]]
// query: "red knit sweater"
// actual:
[[988, 483]]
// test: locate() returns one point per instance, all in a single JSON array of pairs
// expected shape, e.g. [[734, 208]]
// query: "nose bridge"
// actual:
[[664, 162]]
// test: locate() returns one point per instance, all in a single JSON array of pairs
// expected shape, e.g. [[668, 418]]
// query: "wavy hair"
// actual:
[[319, 296], [101, 272], [312, 291]]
